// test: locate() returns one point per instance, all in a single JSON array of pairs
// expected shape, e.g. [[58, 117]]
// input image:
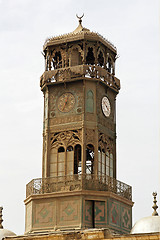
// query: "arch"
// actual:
[[105, 157], [69, 148], [90, 159], [70, 159], [90, 102], [100, 57], [61, 161], [76, 58], [61, 149], [90, 58], [75, 55], [57, 59], [77, 159]]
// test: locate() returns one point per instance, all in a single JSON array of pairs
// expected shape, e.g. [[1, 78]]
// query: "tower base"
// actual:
[[78, 210]]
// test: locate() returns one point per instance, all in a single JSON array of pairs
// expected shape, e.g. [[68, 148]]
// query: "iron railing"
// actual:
[[78, 182]]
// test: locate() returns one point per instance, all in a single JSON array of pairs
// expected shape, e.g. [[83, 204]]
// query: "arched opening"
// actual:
[[61, 161], [76, 58], [90, 59], [69, 149], [77, 160], [61, 149], [100, 59], [57, 60], [90, 159], [70, 157]]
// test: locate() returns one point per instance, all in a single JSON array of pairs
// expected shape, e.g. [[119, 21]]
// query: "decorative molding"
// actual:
[[105, 142], [66, 138], [65, 119]]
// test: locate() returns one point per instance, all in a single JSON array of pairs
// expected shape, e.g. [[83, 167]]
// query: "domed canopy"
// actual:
[[6, 233], [147, 225], [79, 33]]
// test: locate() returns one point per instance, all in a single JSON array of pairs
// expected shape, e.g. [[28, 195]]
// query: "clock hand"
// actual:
[[66, 100], [107, 107]]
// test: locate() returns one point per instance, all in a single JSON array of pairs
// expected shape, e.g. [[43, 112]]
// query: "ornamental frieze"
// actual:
[[69, 119]]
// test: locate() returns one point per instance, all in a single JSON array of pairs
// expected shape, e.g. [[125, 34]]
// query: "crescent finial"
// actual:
[[80, 18]]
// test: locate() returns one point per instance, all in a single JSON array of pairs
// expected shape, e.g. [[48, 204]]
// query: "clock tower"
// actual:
[[79, 188]]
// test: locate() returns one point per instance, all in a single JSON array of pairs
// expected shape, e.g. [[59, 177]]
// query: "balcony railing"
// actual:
[[78, 182], [85, 71]]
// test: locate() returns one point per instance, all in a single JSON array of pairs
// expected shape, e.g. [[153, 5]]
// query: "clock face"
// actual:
[[106, 107], [66, 102]]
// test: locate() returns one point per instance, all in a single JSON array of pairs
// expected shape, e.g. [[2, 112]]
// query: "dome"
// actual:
[[6, 233], [147, 225]]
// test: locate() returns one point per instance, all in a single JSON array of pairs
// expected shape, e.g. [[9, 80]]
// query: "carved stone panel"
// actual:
[[44, 214], [69, 212]]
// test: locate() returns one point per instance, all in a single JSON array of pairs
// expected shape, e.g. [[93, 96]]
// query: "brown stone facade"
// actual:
[[79, 188]]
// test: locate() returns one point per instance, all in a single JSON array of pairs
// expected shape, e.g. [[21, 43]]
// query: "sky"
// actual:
[[133, 28]]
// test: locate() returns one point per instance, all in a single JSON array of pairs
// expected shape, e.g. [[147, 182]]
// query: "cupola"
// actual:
[[148, 224]]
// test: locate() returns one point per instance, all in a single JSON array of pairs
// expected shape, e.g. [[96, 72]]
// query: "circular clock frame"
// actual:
[[66, 102], [106, 106]]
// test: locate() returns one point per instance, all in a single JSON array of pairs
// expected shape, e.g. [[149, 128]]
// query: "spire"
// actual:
[[80, 28], [154, 205], [1, 220]]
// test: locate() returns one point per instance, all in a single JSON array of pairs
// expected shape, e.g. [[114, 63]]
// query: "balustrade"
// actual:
[[78, 182], [85, 71]]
